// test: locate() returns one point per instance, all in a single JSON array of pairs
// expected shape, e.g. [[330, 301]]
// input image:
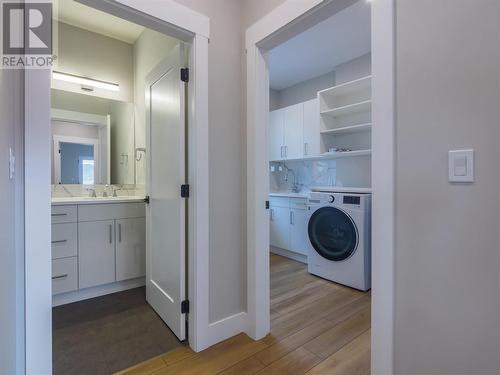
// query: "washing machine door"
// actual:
[[333, 234]]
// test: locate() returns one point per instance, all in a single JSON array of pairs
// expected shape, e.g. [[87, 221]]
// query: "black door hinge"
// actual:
[[146, 200], [185, 307], [185, 191], [267, 205], [185, 74]]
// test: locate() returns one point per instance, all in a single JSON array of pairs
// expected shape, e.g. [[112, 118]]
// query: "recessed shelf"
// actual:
[[329, 155], [348, 129], [348, 87], [364, 106]]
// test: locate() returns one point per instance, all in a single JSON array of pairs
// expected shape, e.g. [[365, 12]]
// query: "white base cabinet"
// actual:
[[289, 223], [97, 245]]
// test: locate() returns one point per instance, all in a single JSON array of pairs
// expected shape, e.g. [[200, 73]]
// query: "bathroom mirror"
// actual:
[[93, 140]]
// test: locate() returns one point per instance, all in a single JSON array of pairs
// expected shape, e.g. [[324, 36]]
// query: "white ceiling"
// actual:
[[318, 50], [84, 17]]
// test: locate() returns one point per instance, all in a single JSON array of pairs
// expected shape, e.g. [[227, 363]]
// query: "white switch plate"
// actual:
[[461, 165]]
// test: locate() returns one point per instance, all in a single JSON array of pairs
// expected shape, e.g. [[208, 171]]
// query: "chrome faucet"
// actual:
[[92, 193], [295, 186]]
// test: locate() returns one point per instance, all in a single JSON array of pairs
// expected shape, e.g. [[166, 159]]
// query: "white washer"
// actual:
[[339, 233]]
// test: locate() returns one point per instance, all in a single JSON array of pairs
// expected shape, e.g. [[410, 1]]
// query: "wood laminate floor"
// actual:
[[317, 327]]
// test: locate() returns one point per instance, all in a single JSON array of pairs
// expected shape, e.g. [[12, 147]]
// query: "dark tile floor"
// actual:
[[107, 334]]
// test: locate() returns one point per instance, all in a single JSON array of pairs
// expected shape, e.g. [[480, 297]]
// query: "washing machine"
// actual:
[[339, 232]]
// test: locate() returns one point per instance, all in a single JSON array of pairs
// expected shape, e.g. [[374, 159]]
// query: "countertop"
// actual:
[[98, 200], [289, 195], [339, 189]]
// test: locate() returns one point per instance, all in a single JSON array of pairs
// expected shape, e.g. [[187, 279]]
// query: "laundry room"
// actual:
[[319, 141]]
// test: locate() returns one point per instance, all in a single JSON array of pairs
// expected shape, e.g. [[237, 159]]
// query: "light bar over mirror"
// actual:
[[85, 81]]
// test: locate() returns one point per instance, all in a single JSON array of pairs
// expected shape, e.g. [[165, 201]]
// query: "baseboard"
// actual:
[[289, 254], [97, 291]]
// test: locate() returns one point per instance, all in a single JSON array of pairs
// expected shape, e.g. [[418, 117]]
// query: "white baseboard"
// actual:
[[289, 254], [97, 291]]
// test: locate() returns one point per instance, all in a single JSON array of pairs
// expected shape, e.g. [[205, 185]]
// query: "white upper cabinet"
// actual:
[[311, 128], [293, 123], [276, 135]]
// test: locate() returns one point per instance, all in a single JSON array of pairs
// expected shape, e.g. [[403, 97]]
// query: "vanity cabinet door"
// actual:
[[280, 227], [96, 253], [130, 248]]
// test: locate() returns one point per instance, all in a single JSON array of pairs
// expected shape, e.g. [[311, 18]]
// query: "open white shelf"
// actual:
[[348, 88], [329, 156], [348, 129], [364, 106]]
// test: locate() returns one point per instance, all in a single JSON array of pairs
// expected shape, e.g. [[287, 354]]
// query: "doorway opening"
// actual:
[[323, 144], [119, 217]]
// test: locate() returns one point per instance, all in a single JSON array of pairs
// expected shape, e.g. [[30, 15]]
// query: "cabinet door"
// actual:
[[294, 118], [130, 248], [311, 128], [280, 227], [96, 253], [276, 135], [299, 238]]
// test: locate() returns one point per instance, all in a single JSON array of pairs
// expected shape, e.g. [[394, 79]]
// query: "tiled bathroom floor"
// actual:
[[107, 334]]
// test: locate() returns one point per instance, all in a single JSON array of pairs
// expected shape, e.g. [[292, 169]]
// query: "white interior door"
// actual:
[[166, 214]]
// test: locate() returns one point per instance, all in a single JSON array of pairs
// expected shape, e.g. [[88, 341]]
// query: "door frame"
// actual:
[[287, 20], [180, 22], [58, 139]]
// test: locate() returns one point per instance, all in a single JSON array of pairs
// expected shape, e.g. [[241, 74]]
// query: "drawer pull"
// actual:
[[119, 233], [59, 214], [59, 277], [60, 241], [110, 233]]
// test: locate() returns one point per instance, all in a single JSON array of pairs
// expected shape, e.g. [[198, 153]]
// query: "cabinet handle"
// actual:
[[119, 233], [281, 153], [110, 233], [306, 148], [59, 277], [291, 217], [272, 214], [59, 214], [60, 241], [286, 151]]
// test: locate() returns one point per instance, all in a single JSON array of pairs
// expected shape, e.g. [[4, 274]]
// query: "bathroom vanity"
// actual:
[[98, 247]]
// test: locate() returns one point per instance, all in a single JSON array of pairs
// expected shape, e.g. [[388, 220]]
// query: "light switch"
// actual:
[[461, 165]]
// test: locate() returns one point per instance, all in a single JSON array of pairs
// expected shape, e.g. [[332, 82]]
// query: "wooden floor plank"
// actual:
[[317, 327], [335, 338], [292, 342], [297, 362], [352, 359], [217, 358]]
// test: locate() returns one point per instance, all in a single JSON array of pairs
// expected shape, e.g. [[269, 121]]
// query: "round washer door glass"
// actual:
[[333, 234]]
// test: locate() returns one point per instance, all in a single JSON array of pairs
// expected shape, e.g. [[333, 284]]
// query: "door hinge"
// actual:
[[185, 74], [185, 307], [267, 205], [146, 200], [185, 191]]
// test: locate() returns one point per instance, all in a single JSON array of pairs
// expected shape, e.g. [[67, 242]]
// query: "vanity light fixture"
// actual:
[[85, 82]]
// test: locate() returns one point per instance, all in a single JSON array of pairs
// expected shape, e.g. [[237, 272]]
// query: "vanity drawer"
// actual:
[[279, 202], [64, 240], [64, 214], [111, 211], [64, 275]]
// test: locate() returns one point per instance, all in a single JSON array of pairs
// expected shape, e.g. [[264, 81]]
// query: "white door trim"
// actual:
[[285, 21], [175, 20]]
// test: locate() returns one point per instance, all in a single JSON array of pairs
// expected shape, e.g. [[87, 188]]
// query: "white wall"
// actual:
[[122, 142], [93, 55], [448, 244], [149, 49], [226, 128], [11, 251], [70, 101]]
